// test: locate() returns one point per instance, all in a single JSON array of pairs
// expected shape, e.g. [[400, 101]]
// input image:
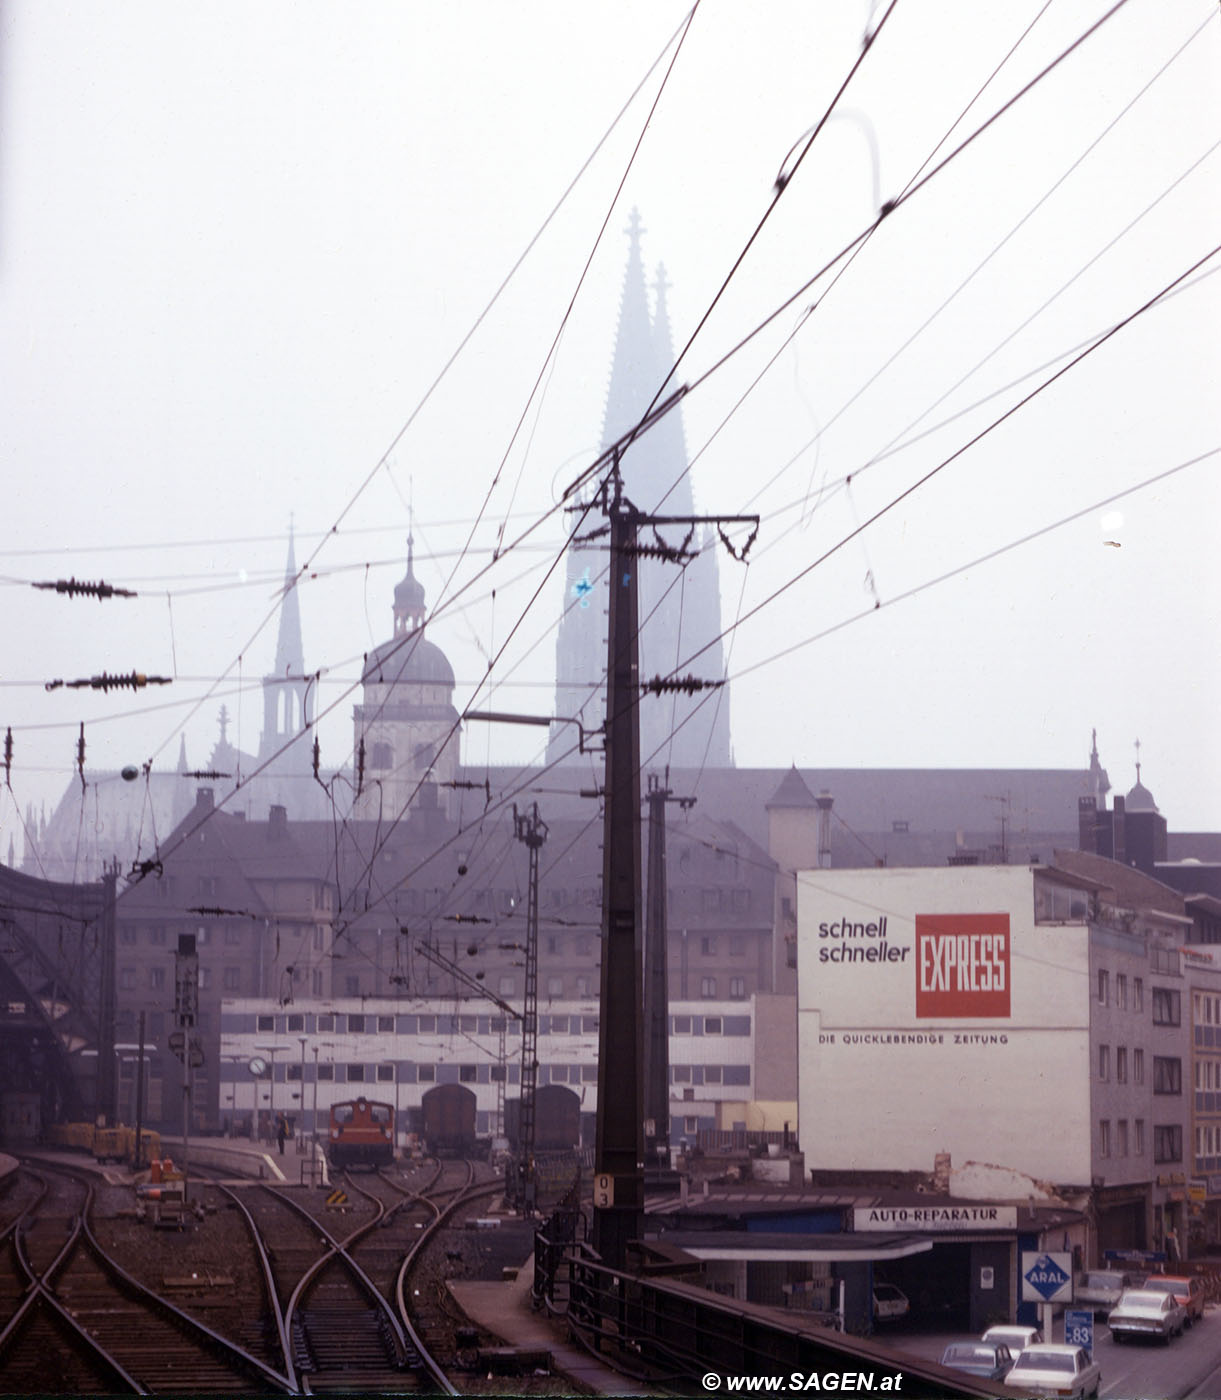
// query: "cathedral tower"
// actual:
[[679, 607]]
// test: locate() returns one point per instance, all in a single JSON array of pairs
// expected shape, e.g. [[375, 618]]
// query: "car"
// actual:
[[1186, 1288], [1100, 1289], [1147, 1312], [889, 1303], [991, 1360], [1012, 1335], [1049, 1368]]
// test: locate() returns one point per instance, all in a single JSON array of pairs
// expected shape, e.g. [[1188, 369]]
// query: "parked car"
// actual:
[[989, 1359], [1053, 1369], [889, 1303], [1147, 1312], [1015, 1337], [1186, 1288], [1100, 1289]]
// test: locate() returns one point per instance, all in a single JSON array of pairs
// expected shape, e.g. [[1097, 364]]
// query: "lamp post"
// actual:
[[301, 1128]]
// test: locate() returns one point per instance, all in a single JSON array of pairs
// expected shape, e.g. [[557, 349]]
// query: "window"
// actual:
[[1121, 991], [555, 986], [326, 1073], [296, 1022], [589, 1074], [708, 946], [708, 988], [1104, 1062], [127, 934], [156, 978], [583, 987], [712, 1074], [737, 988], [1167, 1007], [351, 986], [1167, 1075], [1138, 1066], [356, 1074], [1122, 1140], [737, 944], [426, 1074], [506, 986], [1138, 994], [1104, 1138], [1167, 1142], [1104, 987], [385, 1074], [682, 1025], [157, 934], [680, 1074], [356, 1023], [427, 1025], [382, 756], [208, 886], [468, 1074], [127, 978], [385, 1025], [713, 1025], [1121, 1064], [292, 1071], [233, 934], [691, 1125], [326, 1022]]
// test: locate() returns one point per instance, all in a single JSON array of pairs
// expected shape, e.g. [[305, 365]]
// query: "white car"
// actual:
[[1013, 1336], [1051, 1369], [1147, 1312], [889, 1303]]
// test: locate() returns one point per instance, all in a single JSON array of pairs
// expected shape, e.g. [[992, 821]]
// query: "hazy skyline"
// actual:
[[240, 243]]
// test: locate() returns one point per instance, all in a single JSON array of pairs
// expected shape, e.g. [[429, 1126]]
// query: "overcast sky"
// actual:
[[239, 243]]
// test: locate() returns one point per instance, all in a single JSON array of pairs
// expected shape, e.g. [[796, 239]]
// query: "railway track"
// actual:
[[82, 1323]]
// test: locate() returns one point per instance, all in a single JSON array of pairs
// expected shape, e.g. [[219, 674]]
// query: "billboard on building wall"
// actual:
[[936, 1015], [962, 965]]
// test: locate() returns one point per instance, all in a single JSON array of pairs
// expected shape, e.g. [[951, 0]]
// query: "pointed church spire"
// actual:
[[290, 656]]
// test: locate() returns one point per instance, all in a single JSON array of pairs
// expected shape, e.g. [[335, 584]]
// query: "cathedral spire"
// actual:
[[287, 701]]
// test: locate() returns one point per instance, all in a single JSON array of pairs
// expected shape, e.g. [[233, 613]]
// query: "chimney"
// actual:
[[1087, 821], [277, 823], [1118, 843], [824, 802]]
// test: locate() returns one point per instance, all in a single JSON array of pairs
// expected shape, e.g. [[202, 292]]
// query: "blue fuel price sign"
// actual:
[[1079, 1329]]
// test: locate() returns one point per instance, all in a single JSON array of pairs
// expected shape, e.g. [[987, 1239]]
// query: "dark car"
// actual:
[[989, 1359]]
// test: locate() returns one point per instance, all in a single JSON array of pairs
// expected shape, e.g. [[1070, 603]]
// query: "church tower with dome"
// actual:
[[406, 730]]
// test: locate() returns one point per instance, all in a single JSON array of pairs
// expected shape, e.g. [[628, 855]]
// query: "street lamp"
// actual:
[[301, 1128]]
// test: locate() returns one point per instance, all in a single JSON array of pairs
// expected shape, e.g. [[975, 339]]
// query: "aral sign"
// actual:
[[962, 966]]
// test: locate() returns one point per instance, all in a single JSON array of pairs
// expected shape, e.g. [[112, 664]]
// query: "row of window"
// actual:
[[1206, 1008], [1208, 1140], [1208, 1076], [1166, 1002], [360, 1023], [1167, 1140], [1167, 1069]]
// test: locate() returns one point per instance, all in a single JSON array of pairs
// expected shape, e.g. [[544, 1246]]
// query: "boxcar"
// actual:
[[361, 1134], [557, 1119], [448, 1112]]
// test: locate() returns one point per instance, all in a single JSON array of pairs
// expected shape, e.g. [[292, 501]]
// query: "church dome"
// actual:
[[409, 593], [408, 661], [1140, 799]]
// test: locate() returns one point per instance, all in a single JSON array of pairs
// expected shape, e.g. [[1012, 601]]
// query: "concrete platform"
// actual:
[[506, 1310]]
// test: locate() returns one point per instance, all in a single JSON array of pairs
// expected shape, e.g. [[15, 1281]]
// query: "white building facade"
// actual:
[[981, 1012]]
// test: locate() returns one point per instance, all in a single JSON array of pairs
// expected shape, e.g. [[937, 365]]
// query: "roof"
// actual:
[[408, 660], [749, 1245], [1132, 888]]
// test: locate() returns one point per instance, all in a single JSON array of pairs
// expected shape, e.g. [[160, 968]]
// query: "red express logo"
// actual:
[[962, 965]]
